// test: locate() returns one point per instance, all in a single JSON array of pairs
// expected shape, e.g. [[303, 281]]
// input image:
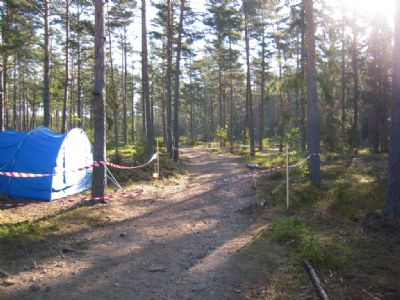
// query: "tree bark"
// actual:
[[125, 83], [392, 203], [231, 123], [114, 102], [343, 89], [15, 95], [356, 94], [313, 121], [1, 100], [177, 74], [262, 96], [66, 82], [99, 104], [302, 86], [248, 87], [145, 84], [169, 77], [46, 74], [79, 75], [5, 92], [133, 108]]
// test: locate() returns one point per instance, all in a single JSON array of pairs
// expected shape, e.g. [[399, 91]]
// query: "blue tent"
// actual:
[[43, 151]]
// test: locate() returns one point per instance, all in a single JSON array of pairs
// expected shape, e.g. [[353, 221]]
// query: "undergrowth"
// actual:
[[308, 244]]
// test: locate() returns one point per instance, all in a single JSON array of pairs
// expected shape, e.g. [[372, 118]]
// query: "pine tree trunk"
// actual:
[[177, 74], [125, 100], [114, 101], [79, 75], [72, 102], [355, 95], [262, 91], [5, 93], [392, 203], [1, 100], [66, 82], [280, 128], [99, 104], [145, 84], [249, 99], [15, 95], [313, 123], [169, 77], [231, 122], [133, 109], [302, 86], [220, 94], [343, 89], [46, 74]]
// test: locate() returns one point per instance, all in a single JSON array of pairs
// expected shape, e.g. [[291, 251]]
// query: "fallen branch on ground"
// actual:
[[317, 283]]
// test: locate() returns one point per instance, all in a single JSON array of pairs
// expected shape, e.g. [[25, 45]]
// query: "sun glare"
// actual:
[[367, 8]]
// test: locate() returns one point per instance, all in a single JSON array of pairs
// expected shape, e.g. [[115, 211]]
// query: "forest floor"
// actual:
[[206, 235]]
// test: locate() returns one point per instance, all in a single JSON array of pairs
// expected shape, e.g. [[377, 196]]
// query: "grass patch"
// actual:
[[320, 250], [353, 195], [37, 230], [30, 231]]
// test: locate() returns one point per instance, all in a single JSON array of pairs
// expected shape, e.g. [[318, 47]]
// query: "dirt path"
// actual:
[[184, 241]]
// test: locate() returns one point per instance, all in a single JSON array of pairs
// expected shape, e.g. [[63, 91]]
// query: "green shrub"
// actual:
[[289, 228], [322, 253], [310, 246], [355, 195]]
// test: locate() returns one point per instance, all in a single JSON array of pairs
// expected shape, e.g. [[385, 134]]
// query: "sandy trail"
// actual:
[[177, 242]]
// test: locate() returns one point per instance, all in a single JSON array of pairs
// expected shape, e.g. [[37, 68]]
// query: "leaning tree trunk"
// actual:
[[313, 114], [392, 203], [46, 74], [99, 103]]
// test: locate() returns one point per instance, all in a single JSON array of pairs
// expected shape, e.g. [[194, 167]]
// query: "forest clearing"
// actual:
[[206, 149]]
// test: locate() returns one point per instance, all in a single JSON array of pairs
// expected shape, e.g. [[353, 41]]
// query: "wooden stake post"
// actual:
[[156, 174], [287, 176]]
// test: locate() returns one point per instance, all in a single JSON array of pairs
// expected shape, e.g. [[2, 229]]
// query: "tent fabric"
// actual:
[[43, 151]]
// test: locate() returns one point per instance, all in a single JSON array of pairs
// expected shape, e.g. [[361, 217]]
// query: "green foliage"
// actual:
[[321, 252], [355, 195], [285, 229], [222, 133], [305, 194], [266, 143]]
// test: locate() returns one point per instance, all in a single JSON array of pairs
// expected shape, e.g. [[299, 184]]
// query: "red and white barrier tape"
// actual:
[[95, 164], [255, 175], [23, 175], [131, 167]]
